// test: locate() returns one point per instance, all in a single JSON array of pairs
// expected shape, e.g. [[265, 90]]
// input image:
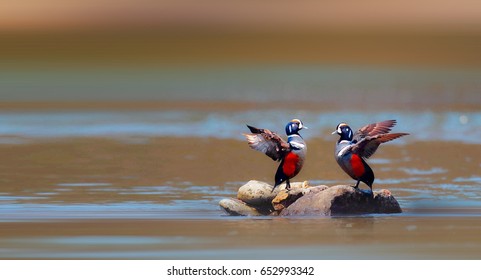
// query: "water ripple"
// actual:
[[422, 126], [432, 171]]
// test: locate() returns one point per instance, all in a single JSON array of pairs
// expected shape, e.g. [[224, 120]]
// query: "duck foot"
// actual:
[[365, 192]]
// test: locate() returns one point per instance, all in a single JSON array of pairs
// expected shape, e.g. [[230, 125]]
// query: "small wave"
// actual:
[[425, 126]]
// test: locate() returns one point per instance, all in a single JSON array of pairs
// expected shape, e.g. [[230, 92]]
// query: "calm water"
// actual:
[[145, 183]]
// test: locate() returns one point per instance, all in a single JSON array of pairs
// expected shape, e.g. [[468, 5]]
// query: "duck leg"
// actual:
[[357, 184], [372, 193]]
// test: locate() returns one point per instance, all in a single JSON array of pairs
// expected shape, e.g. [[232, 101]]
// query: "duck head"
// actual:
[[344, 131], [294, 126]]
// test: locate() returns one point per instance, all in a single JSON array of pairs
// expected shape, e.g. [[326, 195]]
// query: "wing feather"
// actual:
[[367, 146], [267, 142], [374, 129]]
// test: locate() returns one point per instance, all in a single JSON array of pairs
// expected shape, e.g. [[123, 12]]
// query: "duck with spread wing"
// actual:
[[352, 149], [291, 154]]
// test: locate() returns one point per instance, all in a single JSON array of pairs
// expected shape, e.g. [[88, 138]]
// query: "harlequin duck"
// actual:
[[291, 154], [353, 149]]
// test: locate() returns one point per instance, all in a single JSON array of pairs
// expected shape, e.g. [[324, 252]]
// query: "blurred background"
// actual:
[[328, 52], [121, 122]]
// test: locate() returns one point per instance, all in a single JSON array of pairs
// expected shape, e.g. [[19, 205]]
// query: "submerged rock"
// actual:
[[257, 198], [235, 207]]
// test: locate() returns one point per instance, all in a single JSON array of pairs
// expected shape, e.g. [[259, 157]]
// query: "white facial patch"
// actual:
[[297, 145]]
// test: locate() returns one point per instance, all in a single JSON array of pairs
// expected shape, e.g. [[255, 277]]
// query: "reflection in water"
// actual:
[[388, 237]]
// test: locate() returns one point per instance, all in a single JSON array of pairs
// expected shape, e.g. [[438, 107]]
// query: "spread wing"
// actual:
[[367, 146], [373, 130], [268, 142]]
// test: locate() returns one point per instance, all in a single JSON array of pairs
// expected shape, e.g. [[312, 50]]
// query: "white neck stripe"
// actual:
[[341, 152]]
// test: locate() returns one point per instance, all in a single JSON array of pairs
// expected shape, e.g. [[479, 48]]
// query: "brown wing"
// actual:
[[368, 145], [373, 129], [267, 142]]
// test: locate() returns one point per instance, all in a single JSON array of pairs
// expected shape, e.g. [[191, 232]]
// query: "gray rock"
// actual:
[[257, 193], [386, 203], [285, 198], [342, 200], [235, 207], [257, 198], [315, 189]]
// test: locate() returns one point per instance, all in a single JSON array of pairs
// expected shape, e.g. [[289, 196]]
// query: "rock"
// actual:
[[296, 185], [342, 200], [386, 203], [257, 198], [235, 207], [257, 193], [285, 198]]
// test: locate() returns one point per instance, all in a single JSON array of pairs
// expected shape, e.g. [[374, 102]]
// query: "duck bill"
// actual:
[[334, 132]]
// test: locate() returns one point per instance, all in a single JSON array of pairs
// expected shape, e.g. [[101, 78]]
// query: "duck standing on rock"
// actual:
[[291, 154], [353, 149]]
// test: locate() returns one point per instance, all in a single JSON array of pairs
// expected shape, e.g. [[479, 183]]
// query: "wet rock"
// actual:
[[235, 207], [257, 198], [342, 200], [285, 198], [256, 193], [385, 202], [259, 193]]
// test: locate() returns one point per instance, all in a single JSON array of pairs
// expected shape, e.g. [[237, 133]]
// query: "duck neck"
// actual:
[[293, 135]]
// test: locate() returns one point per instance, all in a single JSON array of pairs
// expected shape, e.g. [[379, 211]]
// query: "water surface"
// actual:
[[144, 182]]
